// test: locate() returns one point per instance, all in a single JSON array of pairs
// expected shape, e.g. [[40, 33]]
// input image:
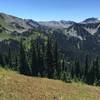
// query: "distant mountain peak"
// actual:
[[57, 24], [32, 23], [91, 20], [67, 22]]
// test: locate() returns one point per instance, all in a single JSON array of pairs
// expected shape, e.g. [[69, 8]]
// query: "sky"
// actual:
[[46, 10]]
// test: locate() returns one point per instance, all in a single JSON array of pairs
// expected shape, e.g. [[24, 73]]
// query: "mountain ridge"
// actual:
[[60, 23], [74, 39], [15, 24]]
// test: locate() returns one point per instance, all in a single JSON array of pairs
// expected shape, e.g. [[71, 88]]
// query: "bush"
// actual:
[[97, 83], [65, 77]]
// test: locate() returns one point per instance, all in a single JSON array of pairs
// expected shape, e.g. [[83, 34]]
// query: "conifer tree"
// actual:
[[86, 68], [50, 66], [2, 63], [16, 62], [56, 59], [23, 68], [43, 60], [9, 58], [77, 69], [34, 59], [90, 79], [97, 69]]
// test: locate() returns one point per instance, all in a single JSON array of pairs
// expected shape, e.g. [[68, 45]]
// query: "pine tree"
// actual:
[[50, 66], [86, 68], [43, 60], [39, 60], [34, 59], [23, 68], [63, 65], [16, 62], [90, 79], [77, 69], [9, 58], [2, 63], [56, 59], [97, 70]]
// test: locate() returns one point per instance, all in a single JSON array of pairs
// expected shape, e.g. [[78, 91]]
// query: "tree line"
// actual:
[[43, 59]]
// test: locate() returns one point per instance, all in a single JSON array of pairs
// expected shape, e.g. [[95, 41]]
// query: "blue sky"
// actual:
[[45, 10]]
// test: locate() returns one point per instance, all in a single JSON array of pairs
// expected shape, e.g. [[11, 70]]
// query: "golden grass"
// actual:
[[19, 87]]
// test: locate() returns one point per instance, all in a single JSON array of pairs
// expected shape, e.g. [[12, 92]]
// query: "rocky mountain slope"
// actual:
[[15, 24], [74, 39], [11, 24]]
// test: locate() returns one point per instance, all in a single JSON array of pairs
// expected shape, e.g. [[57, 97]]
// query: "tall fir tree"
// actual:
[[43, 60], [90, 79], [97, 69], [2, 63], [23, 68], [77, 69], [50, 66], [33, 59], [9, 58], [86, 68], [56, 59]]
